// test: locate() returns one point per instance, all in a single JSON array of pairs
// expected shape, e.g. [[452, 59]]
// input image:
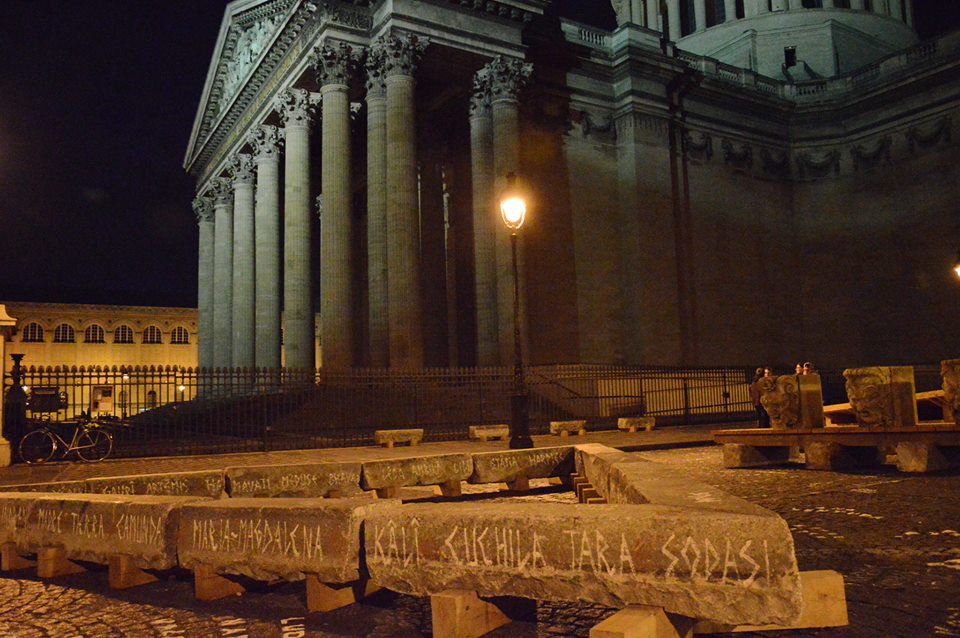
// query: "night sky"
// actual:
[[97, 101]]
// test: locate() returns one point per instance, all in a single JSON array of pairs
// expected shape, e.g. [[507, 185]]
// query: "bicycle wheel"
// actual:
[[37, 446], [94, 445]]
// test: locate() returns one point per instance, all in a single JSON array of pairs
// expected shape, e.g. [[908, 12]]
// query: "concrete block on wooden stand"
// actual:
[[641, 621], [564, 428], [459, 613], [489, 432], [635, 423], [918, 456], [740, 456], [389, 438], [832, 456], [323, 597], [824, 605]]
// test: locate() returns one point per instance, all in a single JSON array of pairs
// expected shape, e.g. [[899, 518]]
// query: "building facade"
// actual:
[[776, 183]]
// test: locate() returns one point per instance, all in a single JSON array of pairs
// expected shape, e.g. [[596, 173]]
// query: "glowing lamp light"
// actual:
[[181, 387], [956, 265], [513, 207]]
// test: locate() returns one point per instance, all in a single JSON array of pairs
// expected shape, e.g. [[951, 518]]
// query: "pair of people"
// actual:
[[763, 419], [805, 368]]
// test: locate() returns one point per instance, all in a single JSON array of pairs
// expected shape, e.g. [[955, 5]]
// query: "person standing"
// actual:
[[763, 419]]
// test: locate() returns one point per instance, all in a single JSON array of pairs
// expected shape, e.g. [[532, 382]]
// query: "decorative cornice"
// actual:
[[222, 189], [508, 76], [203, 209], [266, 141], [480, 97], [926, 136], [242, 169], [401, 52], [333, 64], [296, 107]]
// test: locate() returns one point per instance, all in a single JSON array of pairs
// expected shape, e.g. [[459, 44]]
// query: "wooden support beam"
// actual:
[[11, 560], [122, 574], [641, 621], [392, 491], [519, 484], [322, 597], [53, 562], [451, 489], [824, 605], [459, 613], [208, 585]]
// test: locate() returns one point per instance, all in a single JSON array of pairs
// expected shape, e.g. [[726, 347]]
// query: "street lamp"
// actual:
[[956, 264], [513, 211]]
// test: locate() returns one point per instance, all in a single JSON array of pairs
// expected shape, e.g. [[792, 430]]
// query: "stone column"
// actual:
[[377, 210], [673, 18], [203, 208], [243, 337], [333, 65], [405, 302], [507, 77], [223, 273], [296, 108], [484, 221], [636, 12], [909, 11], [896, 10], [266, 141], [700, 14], [730, 9]]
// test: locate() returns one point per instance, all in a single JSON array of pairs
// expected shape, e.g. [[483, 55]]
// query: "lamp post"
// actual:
[[513, 211]]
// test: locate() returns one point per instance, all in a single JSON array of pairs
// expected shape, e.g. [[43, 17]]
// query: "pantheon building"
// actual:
[[711, 182]]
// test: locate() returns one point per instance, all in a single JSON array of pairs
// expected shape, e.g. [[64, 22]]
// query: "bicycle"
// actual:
[[91, 443]]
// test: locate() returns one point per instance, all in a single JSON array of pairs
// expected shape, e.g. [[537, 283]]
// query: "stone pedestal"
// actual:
[[811, 401]]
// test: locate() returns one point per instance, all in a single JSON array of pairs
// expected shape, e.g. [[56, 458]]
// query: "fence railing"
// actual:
[[174, 411]]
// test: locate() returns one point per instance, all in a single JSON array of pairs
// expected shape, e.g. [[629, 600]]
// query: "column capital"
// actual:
[[242, 169], [265, 140], [222, 189], [480, 98], [402, 52], [203, 209], [376, 65], [333, 64], [296, 106], [507, 77]]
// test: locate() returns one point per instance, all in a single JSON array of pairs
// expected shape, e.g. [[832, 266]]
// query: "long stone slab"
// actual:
[[54, 487], [731, 567], [302, 480], [208, 483], [509, 465], [278, 538], [94, 527], [421, 470]]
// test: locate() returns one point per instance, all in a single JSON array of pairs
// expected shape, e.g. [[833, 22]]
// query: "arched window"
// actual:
[[123, 334], [152, 399], [33, 333], [180, 335], [93, 334], [64, 334], [152, 335]]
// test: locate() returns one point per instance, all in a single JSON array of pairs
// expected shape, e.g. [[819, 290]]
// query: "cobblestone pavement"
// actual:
[[894, 537]]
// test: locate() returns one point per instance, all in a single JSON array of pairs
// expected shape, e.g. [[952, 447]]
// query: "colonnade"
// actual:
[[647, 13], [240, 268]]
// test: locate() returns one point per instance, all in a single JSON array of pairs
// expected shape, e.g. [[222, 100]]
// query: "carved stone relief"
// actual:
[[739, 155], [950, 371], [818, 164], [929, 135], [780, 397], [698, 145], [203, 209], [882, 396], [251, 42]]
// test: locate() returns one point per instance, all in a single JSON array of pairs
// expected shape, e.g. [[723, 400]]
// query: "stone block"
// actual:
[[53, 487], [950, 371], [640, 621], [208, 585], [303, 480], [739, 456], [508, 465], [277, 539], [780, 397], [52, 562], [419, 470], [882, 397], [11, 560], [564, 428], [703, 564], [206, 483], [635, 423], [14, 511], [918, 456], [94, 527], [811, 401], [122, 574], [489, 432], [389, 438]]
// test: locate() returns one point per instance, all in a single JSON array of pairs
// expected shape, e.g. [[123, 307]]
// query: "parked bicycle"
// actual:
[[89, 441]]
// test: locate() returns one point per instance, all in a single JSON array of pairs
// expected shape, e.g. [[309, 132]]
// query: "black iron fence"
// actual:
[[174, 411]]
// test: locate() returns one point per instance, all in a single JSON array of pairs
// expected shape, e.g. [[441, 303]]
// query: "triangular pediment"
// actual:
[[248, 31]]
